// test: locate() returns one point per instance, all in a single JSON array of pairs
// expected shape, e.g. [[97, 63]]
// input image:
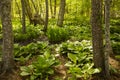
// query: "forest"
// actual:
[[59, 40]]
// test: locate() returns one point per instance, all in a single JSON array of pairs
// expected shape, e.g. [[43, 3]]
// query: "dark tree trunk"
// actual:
[[55, 3], [23, 17], [19, 12], [108, 48], [51, 9], [46, 17], [97, 36], [61, 13], [7, 55]]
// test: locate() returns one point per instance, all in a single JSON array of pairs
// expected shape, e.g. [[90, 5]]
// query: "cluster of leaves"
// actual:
[[23, 53], [31, 33], [56, 34], [42, 68], [115, 35], [79, 59], [79, 32]]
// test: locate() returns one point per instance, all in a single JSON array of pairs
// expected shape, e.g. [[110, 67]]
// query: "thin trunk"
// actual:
[[46, 17], [23, 17], [97, 36], [61, 13], [108, 48], [51, 9], [28, 10], [7, 55], [36, 10], [55, 3], [18, 10]]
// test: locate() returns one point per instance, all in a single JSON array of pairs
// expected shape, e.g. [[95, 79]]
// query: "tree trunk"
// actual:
[[46, 17], [7, 56], [61, 13], [19, 12], [97, 36], [23, 17], [55, 3], [51, 9], [108, 48]]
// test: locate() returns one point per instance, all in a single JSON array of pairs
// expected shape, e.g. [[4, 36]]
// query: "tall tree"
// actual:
[[23, 17], [51, 9], [46, 17], [55, 3], [97, 36], [7, 54], [61, 13], [108, 48]]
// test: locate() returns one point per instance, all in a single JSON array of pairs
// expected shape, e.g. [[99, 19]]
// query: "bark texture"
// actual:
[[7, 54], [97, 35], [108, 48], [61, 13]]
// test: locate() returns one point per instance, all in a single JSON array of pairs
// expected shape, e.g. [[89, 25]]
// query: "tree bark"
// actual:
[[23, 17], [7, 55], [55, 3], [97, 36], [61, 13], [108, 48], [46, 17], [51, 9]]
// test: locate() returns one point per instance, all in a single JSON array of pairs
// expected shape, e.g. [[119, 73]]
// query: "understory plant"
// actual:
[[79, 56], [31, 33], [40, 69], [57, 34], [23, 53]]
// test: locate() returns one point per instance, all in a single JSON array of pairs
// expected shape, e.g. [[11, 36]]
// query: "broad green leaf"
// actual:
[[73, 57], [24, 73]]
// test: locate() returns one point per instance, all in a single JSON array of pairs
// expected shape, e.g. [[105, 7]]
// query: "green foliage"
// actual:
[[116, 47], [56, 34], [74, 47], [31, 33], [23, 53], [79, 32], [41, 68], [79, 58]]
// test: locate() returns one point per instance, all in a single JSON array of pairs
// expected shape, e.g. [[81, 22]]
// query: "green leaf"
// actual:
[[24, 73], [73, 57]]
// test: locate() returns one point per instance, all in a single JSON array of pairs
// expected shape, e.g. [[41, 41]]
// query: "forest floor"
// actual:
[[60, 70]]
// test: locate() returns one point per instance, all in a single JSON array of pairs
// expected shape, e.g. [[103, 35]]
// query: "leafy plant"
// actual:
[[79, 59], [23, 53], [56, 34], [41, 68], [31, 33]]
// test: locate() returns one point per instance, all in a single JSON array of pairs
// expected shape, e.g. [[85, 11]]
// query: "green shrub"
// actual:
[[57, 34], [116, 47], [79, 56], [41, 68], [79, 32], [23, 53], [31, 33]]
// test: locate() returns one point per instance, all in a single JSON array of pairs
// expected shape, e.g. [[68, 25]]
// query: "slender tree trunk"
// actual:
[[46, 17], [108, 48], [97, 36], [28, 10], [19, 12], [55, 3], [36, 10], [61, 13], [23, 17], [7, 55], [51, 9]]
